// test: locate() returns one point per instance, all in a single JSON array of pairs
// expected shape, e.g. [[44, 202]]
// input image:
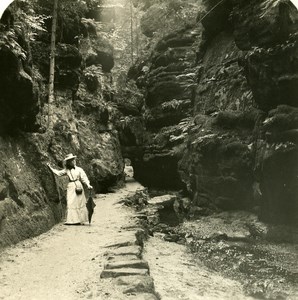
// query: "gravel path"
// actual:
[[66, 262]]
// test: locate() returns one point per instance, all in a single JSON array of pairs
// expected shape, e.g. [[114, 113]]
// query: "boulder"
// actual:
[[165, 200]]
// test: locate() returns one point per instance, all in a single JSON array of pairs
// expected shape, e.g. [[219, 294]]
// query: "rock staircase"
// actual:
[[126, 268]]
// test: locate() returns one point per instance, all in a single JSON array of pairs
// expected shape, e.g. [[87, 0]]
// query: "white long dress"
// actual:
[[76, 204]]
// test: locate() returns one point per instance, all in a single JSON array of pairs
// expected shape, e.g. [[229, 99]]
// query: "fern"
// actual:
[[9, 40], [268, 5], [173, 104]]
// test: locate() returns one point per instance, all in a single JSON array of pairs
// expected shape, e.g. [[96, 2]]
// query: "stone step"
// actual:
[[114, 258], [128, 238], [143, 296], [135, 284], [126, 250], [113, 273], [137, 264]]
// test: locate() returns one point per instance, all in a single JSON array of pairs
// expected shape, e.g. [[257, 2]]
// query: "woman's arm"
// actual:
[[84, 178], [57, 172]]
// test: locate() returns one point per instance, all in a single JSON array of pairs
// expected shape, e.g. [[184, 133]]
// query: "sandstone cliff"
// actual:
[[220, 115], [31, 199]]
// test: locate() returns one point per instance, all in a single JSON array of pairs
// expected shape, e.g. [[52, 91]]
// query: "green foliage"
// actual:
[[184, 12], [93, 71], [182, 130], [70, 13], [116, 35], [268, 5], [26, 15], [172, 105], [130, 96], [125, 122], [178, 15], [9, 40], [93, 4], [139, 200], [25, 28]]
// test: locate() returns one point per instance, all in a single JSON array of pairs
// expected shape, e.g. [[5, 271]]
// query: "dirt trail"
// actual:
[[65, 263]]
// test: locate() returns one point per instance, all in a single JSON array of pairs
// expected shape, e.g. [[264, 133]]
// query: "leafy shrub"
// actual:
[[282, 118], [232, 119]]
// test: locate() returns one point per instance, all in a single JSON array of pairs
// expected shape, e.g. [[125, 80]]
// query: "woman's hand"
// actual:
[[90, 187]]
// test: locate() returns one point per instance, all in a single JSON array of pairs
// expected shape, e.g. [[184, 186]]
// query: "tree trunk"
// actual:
[[52, 63], [131, 32], [137, 31]]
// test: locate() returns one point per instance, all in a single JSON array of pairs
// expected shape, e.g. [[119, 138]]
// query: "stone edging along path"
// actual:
[[124, 265], [102, 261]]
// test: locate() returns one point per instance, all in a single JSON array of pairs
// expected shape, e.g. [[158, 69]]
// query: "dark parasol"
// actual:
[[90, 206]]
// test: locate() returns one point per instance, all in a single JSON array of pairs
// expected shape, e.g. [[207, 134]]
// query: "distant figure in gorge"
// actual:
[[128, 169], [76, 201]]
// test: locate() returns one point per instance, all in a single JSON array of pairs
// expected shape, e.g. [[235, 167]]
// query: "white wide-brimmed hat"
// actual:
[[69, 156]]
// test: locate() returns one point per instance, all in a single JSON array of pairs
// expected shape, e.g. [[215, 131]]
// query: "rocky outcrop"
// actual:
[[274, 67], [151, 22], [269, 33], [217, 163], [276, 165], [217, 166], [273, 64], [253, 70], [220, 109], [18, 98], [99, 52], [29, 201], [32, 200], [168, 79], [68, 66]]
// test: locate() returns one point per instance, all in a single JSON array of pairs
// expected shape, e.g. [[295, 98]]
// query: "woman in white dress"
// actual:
[[76, 201]]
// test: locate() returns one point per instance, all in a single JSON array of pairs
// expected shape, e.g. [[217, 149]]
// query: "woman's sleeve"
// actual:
[[84, 177], [58, 172]]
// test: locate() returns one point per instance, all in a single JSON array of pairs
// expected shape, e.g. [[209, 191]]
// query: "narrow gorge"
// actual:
[[200, 96]]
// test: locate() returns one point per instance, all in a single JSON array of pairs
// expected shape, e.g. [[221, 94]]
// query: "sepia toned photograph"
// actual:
[[149, 149]]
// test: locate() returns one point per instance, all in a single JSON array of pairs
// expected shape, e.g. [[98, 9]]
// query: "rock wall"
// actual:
[[168, 79], [220, 113], [32, 200], [271, 71]]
